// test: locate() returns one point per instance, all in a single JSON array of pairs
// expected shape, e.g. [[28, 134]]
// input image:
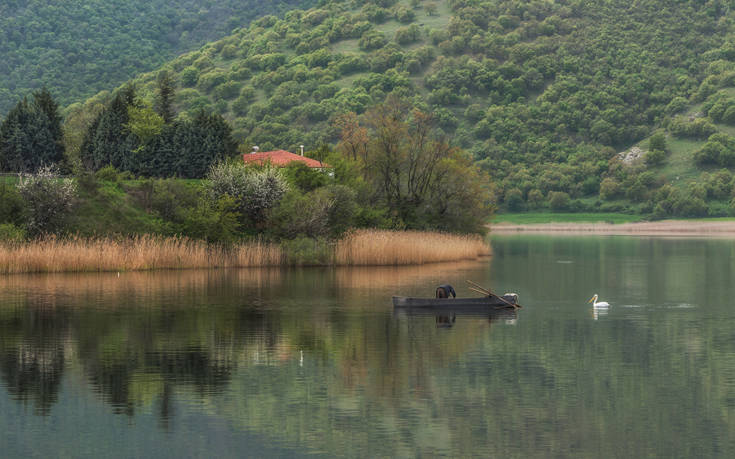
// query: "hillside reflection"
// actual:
[[317, 360], [139, 338]]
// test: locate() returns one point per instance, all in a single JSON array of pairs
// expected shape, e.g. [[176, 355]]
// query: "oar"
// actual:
[[489, 293], [484, 290], [479, 291]]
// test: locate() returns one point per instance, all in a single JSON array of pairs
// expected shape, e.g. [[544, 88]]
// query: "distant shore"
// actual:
[[724, 228]]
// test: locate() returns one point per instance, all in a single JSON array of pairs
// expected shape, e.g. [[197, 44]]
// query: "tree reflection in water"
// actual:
[[142, 337]]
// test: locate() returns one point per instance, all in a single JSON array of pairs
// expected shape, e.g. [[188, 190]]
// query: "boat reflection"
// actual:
[[447, 317]]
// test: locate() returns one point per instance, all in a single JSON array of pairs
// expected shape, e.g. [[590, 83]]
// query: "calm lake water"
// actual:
[[314, 362]]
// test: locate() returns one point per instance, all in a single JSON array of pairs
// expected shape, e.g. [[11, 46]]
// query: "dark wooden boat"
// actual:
[[479, 304]]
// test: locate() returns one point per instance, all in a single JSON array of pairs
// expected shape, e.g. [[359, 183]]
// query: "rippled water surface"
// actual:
[[315, 362]]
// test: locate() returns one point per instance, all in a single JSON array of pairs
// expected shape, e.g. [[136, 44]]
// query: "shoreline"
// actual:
[[659, 228]]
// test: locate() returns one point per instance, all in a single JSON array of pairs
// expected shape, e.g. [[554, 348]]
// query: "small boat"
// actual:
[[485, 302]]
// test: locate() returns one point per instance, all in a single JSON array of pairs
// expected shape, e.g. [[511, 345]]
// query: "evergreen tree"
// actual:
[[202, 142], [31, 135], [45, 104], [109, 141], [159, 156], [166, 94], [186, 148]]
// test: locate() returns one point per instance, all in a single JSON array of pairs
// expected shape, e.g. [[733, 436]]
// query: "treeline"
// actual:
[[127, 134], [76, 48], [133, 137], [392, 169]]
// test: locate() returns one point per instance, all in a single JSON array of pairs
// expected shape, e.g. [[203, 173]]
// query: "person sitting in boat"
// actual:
[[443, 291]]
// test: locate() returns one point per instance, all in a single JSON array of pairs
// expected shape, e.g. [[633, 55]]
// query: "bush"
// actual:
[[307, 251], [12, 207], [171, 198], [406, 35], [654, 157], [11, 233], [559, 200], [189, 77], [110, 174], [48, 200], [255, 190], [609, 189], [535, 198], [372, 39], [514, 199], [303, 177], [226, 91], [404, 15], [212, 221], [325, 212], [658, 142]]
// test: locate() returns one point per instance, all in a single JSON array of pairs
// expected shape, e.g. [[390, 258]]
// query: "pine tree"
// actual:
[[31, 135], [202, 142], [108, 140], [45, 104], [165, 99]]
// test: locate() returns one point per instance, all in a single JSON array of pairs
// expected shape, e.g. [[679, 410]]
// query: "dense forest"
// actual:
[[543, 95], [568, 106], [77, 48]]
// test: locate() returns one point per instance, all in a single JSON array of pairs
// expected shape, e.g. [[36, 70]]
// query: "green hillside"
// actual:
[[79, 47], [543, 94]]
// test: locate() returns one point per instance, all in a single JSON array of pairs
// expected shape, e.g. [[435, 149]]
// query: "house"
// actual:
[[282, 158]]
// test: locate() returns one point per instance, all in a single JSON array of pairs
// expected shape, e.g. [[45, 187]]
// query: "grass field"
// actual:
[[531, 218]]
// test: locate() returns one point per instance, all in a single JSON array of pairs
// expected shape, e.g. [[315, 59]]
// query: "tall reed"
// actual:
[[364, 247], [380, 247], [138, 253]]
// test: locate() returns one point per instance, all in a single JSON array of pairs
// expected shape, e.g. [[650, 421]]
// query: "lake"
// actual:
[[314, 361]]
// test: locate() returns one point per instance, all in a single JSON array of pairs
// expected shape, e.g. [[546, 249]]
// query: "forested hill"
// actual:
[[543, 94], [79, 47]]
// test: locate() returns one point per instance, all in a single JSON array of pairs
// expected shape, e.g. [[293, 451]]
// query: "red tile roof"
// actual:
[[280, 158]]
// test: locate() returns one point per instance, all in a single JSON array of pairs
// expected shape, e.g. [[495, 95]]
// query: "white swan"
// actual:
[[596, 304]]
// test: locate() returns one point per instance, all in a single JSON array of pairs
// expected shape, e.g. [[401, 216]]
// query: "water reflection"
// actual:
[[317, 361]]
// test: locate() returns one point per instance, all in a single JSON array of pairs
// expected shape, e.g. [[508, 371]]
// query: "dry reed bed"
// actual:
[[366, 247], [141, 253], [375, 247]]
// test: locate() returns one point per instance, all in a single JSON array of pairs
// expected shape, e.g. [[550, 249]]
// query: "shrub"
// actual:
[[676, 105], [658, 142], [406, 35], [170, 199], [324, 212], [535, 198], [559, 200], [654, 157], [48, 200], [255, 190], [227, 90], [303, 177], [404, 15], [11, 233], [700, 128], [372, 39], [109, 174], [307, 251], [189, 76], [609, 189], [212, 221], [12, 207], [514, 199]]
